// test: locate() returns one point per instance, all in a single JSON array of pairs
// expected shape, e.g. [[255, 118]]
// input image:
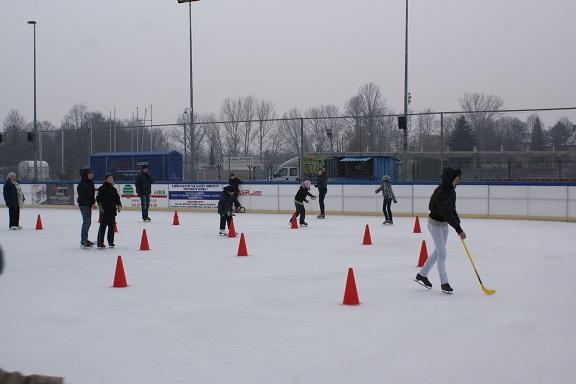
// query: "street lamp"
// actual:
[[32, 22], [192, 128], [330, 135], [406, 82]]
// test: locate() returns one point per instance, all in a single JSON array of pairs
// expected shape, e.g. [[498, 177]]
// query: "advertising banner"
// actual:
[[195, 195], [129, 198], [59, 194]]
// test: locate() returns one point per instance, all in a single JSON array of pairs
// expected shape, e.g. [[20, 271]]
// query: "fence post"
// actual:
[[185, 169], [302, 149]]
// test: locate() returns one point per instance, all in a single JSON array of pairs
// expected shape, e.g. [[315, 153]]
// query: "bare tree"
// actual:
[[371, 131], [249, 109], [483, 120], [232, 113], [291, 127], [264, 113]]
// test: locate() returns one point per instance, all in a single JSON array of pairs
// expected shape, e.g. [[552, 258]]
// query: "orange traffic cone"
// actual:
[[144, 246], [119, 276], [242, 250], [423, 254], [367, 237], [115, 227], [350, 293], [417, 225], [293, 222], [176, 220], [231, 229], [39, 226]]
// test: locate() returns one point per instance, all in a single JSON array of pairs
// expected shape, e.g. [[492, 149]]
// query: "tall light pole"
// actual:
[[192, 128], [406, 82], [35, 117]]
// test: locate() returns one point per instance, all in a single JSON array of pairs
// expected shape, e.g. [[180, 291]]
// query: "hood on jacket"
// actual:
[[448, 176], [84, 172]]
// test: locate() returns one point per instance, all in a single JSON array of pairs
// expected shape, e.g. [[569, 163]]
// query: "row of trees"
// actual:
[[247, 126]]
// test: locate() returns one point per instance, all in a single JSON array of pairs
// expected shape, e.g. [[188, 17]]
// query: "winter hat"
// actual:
[[385, 178], [108, 175], [11, 174], [231, 174], [228, 188], [145, 166], [307, 184]]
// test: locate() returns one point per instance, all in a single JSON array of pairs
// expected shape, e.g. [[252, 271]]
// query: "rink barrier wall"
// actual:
[[551, 201]]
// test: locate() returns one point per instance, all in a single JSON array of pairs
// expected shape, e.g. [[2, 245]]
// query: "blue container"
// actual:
[[384, 165], [124, 166]]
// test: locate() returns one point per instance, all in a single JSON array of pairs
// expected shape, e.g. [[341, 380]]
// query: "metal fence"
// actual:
[[503, 146]]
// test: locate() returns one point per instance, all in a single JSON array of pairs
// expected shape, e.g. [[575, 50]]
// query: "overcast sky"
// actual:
[[295, 53]]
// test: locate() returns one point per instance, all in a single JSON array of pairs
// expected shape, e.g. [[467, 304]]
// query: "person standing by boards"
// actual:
[[322, 186], [86, 191], [14, 199], [442, 214], [235, 182], [300, 199], [389, 197], [109, 205], [144, 183]]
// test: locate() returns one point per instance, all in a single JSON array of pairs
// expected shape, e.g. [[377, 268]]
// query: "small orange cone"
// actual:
[[417, 225], [115, 227], [423, 254], [367, 237], [144, 246], [119, 276], [242, 250], [39, 226], [176, 220], [231, 229], [350, 293], [293, 222]]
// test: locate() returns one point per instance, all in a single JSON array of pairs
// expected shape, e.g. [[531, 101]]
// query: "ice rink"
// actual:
[[194, 312]]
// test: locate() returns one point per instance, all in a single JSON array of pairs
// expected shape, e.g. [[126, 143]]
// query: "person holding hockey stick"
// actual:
[[388, 195], [225, 206], [300, 199], [109, 205], [442, 214]]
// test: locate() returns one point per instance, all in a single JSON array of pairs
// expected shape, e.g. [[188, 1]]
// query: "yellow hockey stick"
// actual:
[[484, 289]]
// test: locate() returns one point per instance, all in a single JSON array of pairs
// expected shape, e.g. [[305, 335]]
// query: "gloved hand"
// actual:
[[313, 197], [119, 208], [306, 201], [395, 202]]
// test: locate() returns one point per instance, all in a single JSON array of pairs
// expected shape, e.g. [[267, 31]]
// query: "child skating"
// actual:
[[300, 199], [442, 213], [389, 197], [109, 205], [225, 207]]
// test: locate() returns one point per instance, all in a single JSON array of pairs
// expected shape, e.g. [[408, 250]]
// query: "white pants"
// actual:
[[439, 232]]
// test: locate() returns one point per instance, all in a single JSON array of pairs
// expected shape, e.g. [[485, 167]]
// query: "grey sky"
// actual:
[[296, 53]]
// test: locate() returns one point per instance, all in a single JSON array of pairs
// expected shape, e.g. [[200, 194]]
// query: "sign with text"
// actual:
[[129, 198], [195, 195]]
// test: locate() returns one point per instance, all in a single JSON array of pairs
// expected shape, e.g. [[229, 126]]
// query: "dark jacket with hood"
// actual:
[[108, 199], [235, 183], [226, 202], [144, 184], [85, 190], [322, 181], [301, 195], [443, 201], [10, 194]]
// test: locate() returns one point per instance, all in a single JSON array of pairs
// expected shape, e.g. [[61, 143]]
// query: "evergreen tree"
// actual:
[[462, 137], [537, 137], [560, 133]]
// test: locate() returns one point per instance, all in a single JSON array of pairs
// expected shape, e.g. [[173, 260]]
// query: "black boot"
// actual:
[[423, 280], [446, 288]]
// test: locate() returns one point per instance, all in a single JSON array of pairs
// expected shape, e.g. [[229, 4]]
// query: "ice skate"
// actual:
[[423, 281]]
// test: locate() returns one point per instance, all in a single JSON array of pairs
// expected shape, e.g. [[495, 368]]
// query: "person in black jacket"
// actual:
[[109, 205], [235, 184], [322, 185], [225, 206], [300, 199], [442, 214], [144, 190], [14, 200], [86, 201]]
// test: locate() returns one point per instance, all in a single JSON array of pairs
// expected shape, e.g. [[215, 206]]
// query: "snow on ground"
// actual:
[[196, 313]]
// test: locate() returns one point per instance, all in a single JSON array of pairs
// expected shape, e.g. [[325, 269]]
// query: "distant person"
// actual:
[[442, 213], [389, 197], [225, 206], [322, 185], [14, 199], [108, 205], [300, 199], [86, 191], [144, 183], [235, 183]]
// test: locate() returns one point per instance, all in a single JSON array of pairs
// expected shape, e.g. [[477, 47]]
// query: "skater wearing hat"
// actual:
[[14, 199], [109, 205], [235, 182], [300, 199], [225, 206], [442, 214], [389, 197]]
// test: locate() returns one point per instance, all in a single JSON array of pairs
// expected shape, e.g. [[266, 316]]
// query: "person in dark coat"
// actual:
[[225, 206], [14, 199], [442, 214], [144, 183], [322, 185], [389, 197], [109, 205], [235, 182], [300, 199], [86, 191]]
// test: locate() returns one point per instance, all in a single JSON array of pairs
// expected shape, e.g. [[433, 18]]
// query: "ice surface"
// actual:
[[196, 313]]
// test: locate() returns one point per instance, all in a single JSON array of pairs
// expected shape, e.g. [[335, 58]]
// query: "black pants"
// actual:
[[321, 195], [225, 220], [14, 214], [300, 211], [236, 202], [106, 222], [386, 208]]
